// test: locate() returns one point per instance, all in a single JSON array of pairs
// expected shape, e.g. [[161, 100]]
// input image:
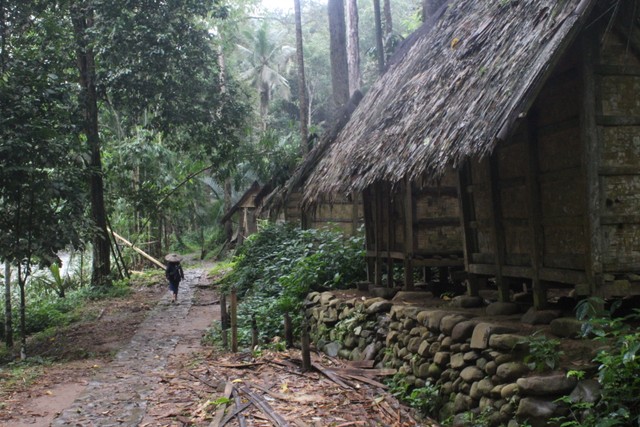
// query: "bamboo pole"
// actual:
[[234, 321], [224, 321], [305, 345], [138, 250], [254, 332], [288, 330]]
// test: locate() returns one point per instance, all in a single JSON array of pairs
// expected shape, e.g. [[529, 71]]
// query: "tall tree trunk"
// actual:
[[82, 17], [228, 228], [353, 47], [379, 45], [8, 322], [23, 313], [338, 47], [388, 20], [430, 7], [302, 83], [155, 235]]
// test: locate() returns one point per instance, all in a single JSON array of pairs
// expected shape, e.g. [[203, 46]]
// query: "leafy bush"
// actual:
[[426, 399], [276, 267], [618, 369], [544, 352]]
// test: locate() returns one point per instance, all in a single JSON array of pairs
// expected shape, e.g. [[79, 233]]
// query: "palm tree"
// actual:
[[265, 63]]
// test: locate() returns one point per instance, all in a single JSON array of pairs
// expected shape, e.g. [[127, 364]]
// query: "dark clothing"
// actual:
[[174, 275]]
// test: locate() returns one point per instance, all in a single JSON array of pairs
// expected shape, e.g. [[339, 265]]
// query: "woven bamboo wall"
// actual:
[[620, 159]]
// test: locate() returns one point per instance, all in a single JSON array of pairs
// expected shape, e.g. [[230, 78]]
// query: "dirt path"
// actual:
[[146, 331], [118, 393]]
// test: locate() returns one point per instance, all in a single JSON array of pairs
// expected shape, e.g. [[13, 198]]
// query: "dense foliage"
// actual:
[[277, 267], [618, 369]]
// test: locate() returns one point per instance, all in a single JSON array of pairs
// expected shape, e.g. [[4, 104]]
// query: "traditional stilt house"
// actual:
[[246, 206], [344, 213], [536, 107]]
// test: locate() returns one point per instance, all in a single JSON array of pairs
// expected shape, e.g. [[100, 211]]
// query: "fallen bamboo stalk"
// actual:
[[216, 422], [260, 403], [237, 412], [138, 250], [332, 376], [240, 365], [361, 364], [367, 380], [238, 401], [365, 372]]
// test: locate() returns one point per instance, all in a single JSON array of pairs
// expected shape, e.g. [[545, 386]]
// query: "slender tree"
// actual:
[[379, 45], [302, 84], [353, 47], [338, 46], [388, 20], [8, 321]]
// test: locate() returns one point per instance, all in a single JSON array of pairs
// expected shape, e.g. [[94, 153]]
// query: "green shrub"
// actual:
[[275, 269], [618, 369], [544, 353], [426, 399]]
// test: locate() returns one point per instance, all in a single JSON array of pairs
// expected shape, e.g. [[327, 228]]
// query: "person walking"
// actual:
[[174, 274]]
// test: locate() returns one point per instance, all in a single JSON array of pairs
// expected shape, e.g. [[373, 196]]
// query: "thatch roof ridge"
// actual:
[[255, 187], [458, 89], [311, 160]]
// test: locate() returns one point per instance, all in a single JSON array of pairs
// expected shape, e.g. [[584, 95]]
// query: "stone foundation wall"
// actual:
[[477, 362]]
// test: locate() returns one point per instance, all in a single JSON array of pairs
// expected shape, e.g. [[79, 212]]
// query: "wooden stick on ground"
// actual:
[[228, 389], [264, 407], [332, 376], [241, 419]]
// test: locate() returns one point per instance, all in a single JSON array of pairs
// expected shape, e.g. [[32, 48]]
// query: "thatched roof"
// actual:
[[457, 89], [311, 160], [252, 191]]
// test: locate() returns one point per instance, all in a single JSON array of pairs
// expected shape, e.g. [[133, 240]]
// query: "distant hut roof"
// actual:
[[252, 191], [311, 160], [456, 90]]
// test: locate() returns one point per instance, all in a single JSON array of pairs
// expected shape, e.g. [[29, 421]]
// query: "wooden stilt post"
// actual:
[[234, 321], [254, 332], [224, 321], [288, 330], [305, 344]]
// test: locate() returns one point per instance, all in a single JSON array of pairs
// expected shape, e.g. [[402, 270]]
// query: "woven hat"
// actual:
[[173, 258]]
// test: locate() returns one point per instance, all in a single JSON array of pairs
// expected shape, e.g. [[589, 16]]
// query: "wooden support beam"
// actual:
[[408, 235], [591, 137], [466, 217], [368, 209], [390, 233], [536, 231], [497, 228], [377, 196]]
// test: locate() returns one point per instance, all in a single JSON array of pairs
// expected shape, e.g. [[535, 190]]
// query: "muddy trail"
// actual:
[[162, 375]]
